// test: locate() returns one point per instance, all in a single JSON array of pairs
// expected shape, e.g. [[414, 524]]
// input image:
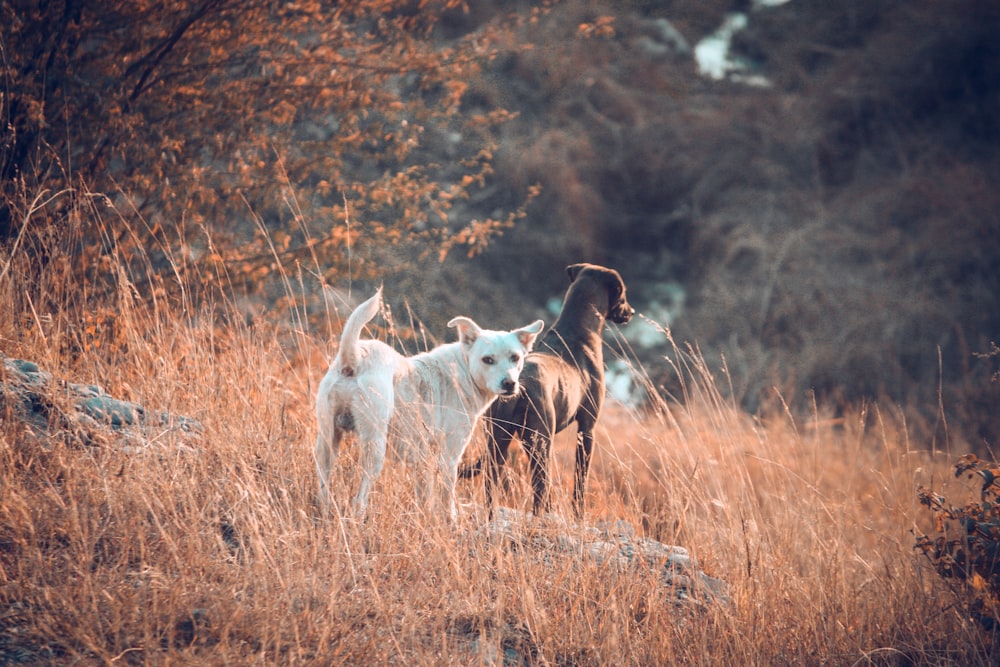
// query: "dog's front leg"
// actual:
[[450, 453], [498, 439], [449, 480], [425, 471]]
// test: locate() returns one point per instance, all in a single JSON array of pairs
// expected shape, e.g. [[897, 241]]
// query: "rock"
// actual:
[[26, 367], [613, 543], [550, 539], [106, 409], [38, 400]]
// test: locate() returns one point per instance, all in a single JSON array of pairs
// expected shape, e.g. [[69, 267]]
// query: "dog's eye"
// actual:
[[489, 361], [515, 358]]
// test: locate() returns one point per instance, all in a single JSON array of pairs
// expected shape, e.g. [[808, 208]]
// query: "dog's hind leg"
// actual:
[[326, 454], [536, 437], [327, 447], [584, 449], [586, 420], [372, 462], [372, 410]]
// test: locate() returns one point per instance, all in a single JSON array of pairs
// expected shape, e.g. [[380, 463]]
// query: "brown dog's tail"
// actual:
[[351, 334]]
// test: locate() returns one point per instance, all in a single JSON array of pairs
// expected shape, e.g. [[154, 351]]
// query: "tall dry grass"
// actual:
[[208, 549]]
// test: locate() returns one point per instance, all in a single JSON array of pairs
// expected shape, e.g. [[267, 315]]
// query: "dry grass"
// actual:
[[209, 549]]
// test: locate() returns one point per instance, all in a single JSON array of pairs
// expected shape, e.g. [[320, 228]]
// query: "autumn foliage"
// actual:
[[243, 135]]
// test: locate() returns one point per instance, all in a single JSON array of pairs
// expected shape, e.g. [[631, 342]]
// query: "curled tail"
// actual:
[[352, 332]]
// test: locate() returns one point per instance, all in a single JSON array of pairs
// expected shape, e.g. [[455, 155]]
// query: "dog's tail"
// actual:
[[471, 470], [352, 332]]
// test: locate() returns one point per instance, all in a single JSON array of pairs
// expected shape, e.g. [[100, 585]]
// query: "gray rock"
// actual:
[[614, 544], [550, 539], [111, 410], [38, 399], [25, 367]]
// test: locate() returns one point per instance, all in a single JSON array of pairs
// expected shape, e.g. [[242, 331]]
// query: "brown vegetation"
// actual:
[[965, 543], [208, 547], [235, 133]]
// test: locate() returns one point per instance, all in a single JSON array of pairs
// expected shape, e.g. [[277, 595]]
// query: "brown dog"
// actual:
[[562, 382]]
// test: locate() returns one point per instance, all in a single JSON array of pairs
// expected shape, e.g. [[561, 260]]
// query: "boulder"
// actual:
[[614, 544], [83, 410]]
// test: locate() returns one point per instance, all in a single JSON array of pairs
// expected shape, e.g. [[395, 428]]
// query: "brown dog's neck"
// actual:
[[579, 326], [584, 307]]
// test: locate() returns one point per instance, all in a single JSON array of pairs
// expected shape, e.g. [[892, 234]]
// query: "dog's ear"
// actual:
[[468, 331], [574, 270], [528, 334]]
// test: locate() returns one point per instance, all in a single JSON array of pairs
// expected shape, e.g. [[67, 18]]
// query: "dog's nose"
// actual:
[[508, 386]]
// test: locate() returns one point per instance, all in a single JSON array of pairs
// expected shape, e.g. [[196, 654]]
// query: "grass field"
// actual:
[[208, 549]]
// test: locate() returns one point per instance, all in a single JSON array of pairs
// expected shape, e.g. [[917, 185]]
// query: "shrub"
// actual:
[[970, 554], [245, 132]]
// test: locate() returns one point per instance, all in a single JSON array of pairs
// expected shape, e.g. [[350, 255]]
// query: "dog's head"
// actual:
[[495, 358], [618, 310]]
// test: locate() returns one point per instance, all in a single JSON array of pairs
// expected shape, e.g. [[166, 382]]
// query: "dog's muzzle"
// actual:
[[622, 313], [508, 387]]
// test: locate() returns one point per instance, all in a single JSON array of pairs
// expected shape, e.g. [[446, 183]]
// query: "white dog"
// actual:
[[425, 406]]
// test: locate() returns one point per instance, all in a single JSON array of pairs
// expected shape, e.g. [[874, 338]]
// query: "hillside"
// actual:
[[834, 229], [175, 523]]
